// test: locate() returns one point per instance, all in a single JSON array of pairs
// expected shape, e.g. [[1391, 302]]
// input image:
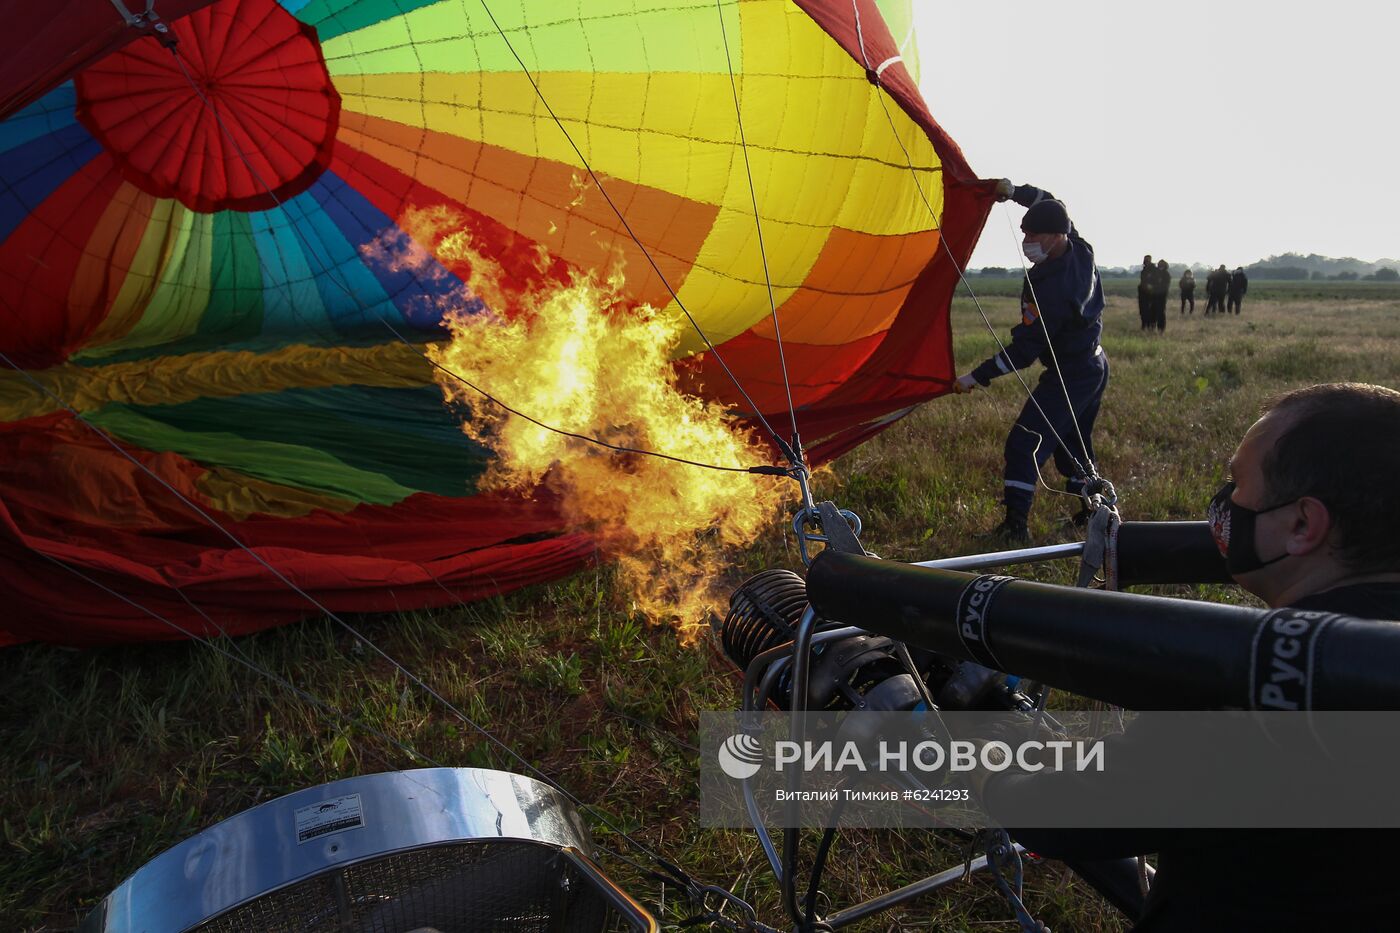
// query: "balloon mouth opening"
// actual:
[[242, 116]]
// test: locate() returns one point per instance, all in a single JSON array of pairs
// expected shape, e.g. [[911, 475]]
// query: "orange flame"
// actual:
[[579, 357]]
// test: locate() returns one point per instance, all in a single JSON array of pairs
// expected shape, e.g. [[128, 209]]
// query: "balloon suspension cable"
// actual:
[[312, 600], [1035, 462], [792, 452], [147, 22], [331, 272], [320, 607], [672, 873], [874, 77], [825, 524], [239, 656], [1097, 492], [242, 658], [758, 226], [583, 160], [1001, 854], [675, 874], [1088, 468]]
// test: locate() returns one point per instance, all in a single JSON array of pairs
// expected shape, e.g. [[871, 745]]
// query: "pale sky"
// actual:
[[1196, 131]]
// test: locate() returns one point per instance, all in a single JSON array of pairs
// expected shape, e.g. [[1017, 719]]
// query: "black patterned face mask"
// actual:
[[1232, 527]]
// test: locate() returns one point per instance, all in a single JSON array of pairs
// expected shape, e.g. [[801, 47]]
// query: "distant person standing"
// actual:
[[1147, 284], [1239, 284], [1159, 297], [1188, 290], [1216, 285]]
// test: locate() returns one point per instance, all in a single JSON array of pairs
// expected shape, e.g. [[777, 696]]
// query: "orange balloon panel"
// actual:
[[193, 258]]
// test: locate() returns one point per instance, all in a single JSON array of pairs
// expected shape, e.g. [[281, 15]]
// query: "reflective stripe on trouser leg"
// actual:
[[1031, 442], [1086, 410]]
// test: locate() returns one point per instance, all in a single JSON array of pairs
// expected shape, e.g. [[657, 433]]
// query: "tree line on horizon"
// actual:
[[1284, 267]]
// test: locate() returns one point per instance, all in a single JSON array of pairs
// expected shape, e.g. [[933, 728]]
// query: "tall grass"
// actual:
[[107, 757]]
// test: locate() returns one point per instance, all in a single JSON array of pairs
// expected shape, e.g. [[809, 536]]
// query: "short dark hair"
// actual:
[[1341, 445]]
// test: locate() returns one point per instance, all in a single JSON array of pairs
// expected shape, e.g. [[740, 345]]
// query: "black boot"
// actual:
[[1011, 533]]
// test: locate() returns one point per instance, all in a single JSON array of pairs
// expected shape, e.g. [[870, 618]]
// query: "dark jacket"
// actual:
[[1239, 284], [1222, 881], [1061, 306], [1147, 281], [1164, 280], [1217, 282]]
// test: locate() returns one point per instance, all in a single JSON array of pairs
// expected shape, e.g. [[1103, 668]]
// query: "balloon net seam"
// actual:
[[332, 273]]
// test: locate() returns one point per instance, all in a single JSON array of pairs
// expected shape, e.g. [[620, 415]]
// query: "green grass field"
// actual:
[[108, 757]]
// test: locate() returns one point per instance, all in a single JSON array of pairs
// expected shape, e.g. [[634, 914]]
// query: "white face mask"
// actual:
[[1034, 251]]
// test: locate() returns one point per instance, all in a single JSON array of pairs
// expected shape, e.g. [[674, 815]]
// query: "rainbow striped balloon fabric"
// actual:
[[203, 341]]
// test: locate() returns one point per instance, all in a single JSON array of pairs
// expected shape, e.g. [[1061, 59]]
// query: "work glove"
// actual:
[[1005, 189], [1013, 734], [964, 384]]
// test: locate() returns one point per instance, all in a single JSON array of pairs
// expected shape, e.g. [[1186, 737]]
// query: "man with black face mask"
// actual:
[[1308, 520], [1061, 320], [1310, 515]]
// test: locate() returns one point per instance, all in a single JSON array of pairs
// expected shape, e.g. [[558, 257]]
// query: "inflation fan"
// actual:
[[435, 850]]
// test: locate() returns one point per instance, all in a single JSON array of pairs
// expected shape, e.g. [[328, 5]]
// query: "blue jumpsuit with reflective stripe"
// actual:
[[1061, 309]]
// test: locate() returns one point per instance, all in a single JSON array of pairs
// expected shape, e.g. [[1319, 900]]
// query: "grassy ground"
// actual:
[[108, 757]]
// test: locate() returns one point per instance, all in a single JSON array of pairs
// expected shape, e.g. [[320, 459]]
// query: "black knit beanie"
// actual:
[[1048, 216]]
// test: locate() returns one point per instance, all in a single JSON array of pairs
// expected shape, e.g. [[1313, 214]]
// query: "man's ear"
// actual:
[[1312, 526]]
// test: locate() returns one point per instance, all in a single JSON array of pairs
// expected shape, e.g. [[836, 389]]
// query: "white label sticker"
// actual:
[[329, 816]]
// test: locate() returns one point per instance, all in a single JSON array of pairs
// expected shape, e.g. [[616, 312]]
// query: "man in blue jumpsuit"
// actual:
[[1061, 320]]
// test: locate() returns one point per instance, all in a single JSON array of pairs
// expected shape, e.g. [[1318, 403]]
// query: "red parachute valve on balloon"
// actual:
[[227, 262]]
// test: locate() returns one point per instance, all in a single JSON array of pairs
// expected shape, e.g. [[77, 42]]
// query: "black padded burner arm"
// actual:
[[1141, 652]]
